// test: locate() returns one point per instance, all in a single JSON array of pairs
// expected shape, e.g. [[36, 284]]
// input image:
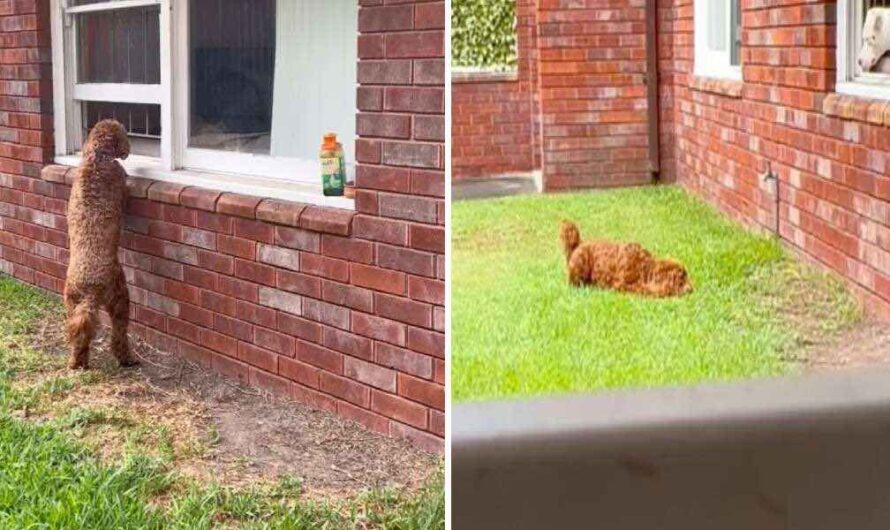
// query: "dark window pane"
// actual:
[[119, 46], [232, 73], [143, 123]]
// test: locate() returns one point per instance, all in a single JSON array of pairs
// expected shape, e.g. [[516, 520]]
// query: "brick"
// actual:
[[279, 257], [425, 392], [406, 260], [302, 373], [404, 310], [378, 279], [370, 374], [379, 229], [349, 296], [300, 327], [298, 239], [426, 290], [348, 343], [230, 367], [199, 198], [258, 357], [254, 230], [345, 389], [255, 314], [430, 238], [233, 327], [218, 303], [299, 283], [281, 300], [215, 262], [425, 341], [166, 192], [237, 205], [318, 265], [379, 328], [330, 220], [347, 248], [400, 409], [199, 238], [274, 384], [219, 343], [408, 207], [325, 313], [280, 212], [239, 289], [313, 398], [418, 437], [404, 360], [368, 419], [255, 272], [316, 355], [235, 246]]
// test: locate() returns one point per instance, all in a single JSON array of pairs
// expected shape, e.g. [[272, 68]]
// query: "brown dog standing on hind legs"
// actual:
[[95, 278], [625, 267]]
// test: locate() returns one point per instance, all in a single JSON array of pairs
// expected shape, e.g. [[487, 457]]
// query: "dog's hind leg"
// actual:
[[119, 311], [81, 325]]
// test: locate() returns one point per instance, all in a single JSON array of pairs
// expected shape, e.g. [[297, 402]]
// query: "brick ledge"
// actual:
[[484, 76], [874, 111], [723, 87], [294, 214]]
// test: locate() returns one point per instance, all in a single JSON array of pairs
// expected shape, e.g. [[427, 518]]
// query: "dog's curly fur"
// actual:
[[625, 267], [95, 279]]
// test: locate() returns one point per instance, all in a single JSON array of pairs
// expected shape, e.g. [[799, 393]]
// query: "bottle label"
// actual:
[[332, 174]]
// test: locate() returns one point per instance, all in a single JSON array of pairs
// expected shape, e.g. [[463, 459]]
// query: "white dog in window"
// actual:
[[875, 41]]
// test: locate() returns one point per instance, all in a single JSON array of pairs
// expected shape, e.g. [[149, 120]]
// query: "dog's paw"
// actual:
[[128, 362]]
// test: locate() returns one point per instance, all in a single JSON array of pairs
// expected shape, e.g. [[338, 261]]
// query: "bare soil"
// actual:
[[223, 432], [865, 344]]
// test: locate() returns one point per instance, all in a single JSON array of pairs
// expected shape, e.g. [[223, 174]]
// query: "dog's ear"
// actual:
[[879, 23]]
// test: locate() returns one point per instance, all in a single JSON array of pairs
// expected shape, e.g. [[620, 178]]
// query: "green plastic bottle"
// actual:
[[333, 169]]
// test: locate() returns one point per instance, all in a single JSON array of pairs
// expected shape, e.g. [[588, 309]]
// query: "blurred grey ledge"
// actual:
[[793, 453], [487, 188]]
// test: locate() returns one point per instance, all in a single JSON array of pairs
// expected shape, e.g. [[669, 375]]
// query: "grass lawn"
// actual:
[[519, 330], [50, 479]]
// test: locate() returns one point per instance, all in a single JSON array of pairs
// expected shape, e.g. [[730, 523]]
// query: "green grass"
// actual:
[[519, 330], [50, 480]]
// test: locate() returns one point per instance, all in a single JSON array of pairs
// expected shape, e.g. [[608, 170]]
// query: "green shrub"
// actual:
[[483, 33]]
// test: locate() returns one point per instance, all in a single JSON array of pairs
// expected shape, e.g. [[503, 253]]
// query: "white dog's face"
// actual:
[[875, 38]]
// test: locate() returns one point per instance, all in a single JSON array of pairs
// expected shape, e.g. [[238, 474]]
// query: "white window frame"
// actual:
[[851, 81], [258, 175], [710, 63]]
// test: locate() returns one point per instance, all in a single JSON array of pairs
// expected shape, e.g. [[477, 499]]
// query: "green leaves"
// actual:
[[483, 33]]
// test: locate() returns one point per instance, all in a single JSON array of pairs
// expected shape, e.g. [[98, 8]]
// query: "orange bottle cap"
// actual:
[[330, 141]]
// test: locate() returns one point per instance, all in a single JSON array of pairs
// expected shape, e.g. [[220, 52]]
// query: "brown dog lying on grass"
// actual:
[[625, 267], [95, 279]]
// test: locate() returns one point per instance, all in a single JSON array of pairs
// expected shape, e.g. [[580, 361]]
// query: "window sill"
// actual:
[[263, 187], [858, 108], [314, 216], [484, 76], [725, 87]]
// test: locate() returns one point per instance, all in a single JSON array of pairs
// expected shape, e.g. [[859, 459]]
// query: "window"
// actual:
[[211, 87], [863, 64], [718, 44]]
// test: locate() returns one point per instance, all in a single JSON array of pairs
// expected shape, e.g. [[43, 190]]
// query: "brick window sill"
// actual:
[[288, 213], [483, 76], [724, 87], [873, 111]]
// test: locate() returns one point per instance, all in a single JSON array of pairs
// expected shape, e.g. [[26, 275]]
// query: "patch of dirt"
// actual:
[[866, 344], [223, 432]]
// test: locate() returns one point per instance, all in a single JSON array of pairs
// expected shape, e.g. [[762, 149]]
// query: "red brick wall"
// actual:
[[593, 93], [578, 107], [495, 127], [342, 310], [831, 153]]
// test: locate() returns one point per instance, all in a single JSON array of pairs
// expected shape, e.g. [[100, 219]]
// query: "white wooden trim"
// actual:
[[109, 6], [60, 122], [168, 155], [270, 188], [708, 63], [850, 80], [118, 92]]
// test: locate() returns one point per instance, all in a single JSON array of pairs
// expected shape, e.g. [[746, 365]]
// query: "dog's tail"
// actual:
[[570, 237]]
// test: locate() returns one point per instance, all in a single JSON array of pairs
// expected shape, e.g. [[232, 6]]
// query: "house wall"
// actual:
[[338, 309], [495, 124], [830, 152], [577, 105]]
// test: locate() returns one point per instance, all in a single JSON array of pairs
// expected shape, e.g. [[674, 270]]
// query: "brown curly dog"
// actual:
[[625, 267], [95, 278]]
